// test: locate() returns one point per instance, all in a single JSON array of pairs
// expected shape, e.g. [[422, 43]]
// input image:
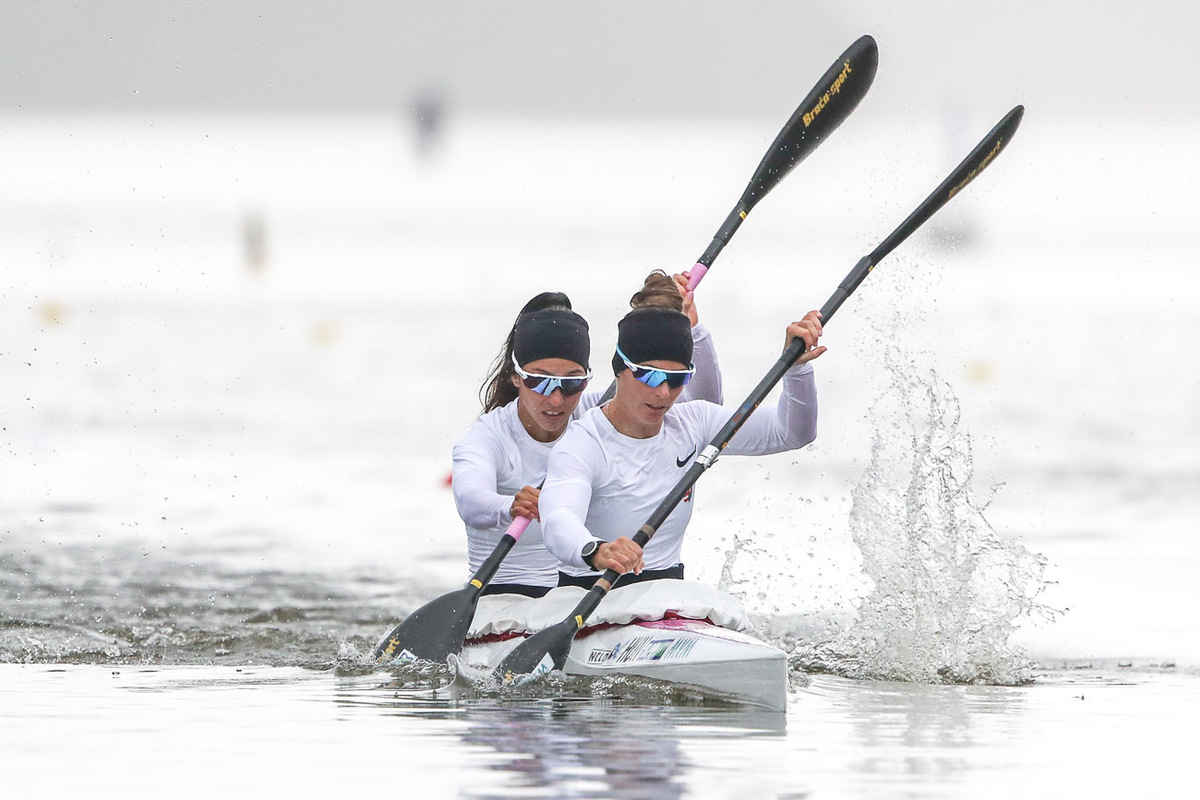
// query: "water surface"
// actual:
[[230, 386]]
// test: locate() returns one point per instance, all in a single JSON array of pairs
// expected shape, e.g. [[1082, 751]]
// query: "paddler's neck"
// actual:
[[626, 423]]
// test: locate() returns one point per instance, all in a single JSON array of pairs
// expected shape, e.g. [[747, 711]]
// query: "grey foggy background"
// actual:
[[622, 57]]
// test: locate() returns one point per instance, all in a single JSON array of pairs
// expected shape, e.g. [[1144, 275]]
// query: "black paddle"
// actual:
[[548, 648], [827, 106], [437, 629]]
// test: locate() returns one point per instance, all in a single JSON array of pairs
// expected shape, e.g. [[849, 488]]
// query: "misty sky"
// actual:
[[691, 57]]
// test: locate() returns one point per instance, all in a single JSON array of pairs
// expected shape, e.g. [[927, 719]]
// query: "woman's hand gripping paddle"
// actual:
[[437, 629], [548, 648]]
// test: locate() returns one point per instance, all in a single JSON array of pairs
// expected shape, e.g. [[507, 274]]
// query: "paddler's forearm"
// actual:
[[790, 425], [474, 488], [706, 384], [563, 531]]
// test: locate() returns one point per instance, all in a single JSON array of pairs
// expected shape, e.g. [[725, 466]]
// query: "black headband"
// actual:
[[551, 333], [654, 334]]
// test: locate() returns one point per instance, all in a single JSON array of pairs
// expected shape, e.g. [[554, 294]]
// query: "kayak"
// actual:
[[668, 630]]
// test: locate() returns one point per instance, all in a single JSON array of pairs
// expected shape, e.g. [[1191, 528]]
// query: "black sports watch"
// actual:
[[589, 552]]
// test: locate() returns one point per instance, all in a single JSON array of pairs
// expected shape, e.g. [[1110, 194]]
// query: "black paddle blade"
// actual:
[[545, 650], [433, 631], [976, 162], [827, 106]]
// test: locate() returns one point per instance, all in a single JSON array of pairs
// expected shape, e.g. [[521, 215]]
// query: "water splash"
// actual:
[[947, 589]]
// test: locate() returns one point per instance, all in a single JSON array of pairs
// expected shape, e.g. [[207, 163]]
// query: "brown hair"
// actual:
[[498, 389], [659, 291]]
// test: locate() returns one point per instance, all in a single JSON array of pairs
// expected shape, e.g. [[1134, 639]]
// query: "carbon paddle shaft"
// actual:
[[487, 570], [553, 644]]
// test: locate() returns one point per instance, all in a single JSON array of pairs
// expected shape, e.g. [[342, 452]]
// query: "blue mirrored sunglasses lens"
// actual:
[[656, 377], [653, 378], [546, 386]]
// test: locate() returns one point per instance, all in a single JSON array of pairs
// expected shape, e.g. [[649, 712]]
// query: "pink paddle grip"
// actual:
[[697, 274], [518, 527]]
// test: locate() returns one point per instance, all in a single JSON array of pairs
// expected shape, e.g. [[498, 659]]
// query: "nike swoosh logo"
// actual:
[[679, 462]]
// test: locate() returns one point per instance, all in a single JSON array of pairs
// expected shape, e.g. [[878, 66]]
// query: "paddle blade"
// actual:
[[826, 107], [545, 650], [433, 631], [976, 162]]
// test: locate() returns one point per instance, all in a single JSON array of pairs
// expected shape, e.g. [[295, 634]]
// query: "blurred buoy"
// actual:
[[428, 111], [324, 332], [51, 312], [254, 242], [979, 371]]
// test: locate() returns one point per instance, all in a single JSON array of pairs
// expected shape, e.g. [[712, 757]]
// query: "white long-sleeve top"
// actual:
[[497, 457], [602, 484]]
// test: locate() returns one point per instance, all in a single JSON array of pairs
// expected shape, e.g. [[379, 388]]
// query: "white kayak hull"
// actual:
[[689, 652]]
